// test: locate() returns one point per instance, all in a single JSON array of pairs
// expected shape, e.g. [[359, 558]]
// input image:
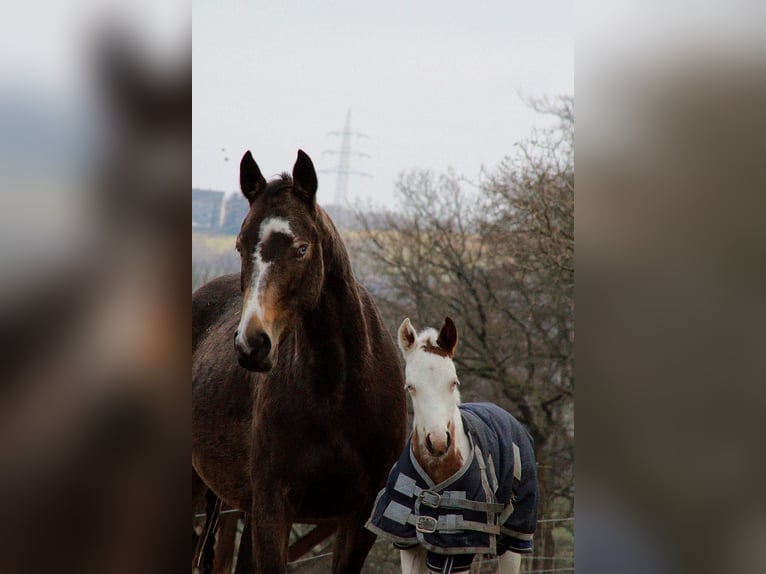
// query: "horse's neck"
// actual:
[[460, 438], [463, 445], [339, 314]]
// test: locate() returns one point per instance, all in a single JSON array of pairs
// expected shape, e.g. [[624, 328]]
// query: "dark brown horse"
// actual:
[[298, 408]]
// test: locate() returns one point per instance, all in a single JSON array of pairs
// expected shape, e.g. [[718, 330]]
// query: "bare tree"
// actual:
[[499, 259]]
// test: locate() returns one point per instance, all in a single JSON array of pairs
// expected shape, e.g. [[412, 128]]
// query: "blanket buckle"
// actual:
[[426, 524], [430, 498]]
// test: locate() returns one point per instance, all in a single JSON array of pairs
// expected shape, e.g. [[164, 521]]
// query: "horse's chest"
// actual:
[[318, 468], [302, 443]]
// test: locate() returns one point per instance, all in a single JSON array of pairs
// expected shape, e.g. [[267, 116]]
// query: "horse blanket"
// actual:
[[487, 507]]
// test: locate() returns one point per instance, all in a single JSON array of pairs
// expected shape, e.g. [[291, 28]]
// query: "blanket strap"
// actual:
[[450, 522], [407, 486], [454, 499]]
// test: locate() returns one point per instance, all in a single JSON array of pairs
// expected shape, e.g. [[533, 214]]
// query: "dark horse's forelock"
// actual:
[[280, 183], [284, 180]]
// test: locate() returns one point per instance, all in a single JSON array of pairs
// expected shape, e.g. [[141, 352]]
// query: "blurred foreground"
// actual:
[[671, 246], [95, 172]]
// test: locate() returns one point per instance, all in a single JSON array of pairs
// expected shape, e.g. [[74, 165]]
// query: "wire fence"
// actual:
[[530, 557], [542, 521], [567, 519], [551, 570]]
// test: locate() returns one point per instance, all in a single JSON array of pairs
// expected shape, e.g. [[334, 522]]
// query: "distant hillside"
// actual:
[[206, 208], [215, 212]]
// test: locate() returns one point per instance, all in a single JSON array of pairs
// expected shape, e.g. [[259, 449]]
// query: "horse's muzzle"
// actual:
[[438, 451], [253, 355]]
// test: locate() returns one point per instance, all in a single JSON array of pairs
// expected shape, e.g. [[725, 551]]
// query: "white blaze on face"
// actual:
[[435, 400], [253, 306]]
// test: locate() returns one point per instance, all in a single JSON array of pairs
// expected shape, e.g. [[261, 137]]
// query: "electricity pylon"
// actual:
[[344, 154]]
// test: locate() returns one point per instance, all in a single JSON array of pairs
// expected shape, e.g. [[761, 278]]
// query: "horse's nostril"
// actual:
[[262, 346], [265, 341], [442, 448], [236, 334]]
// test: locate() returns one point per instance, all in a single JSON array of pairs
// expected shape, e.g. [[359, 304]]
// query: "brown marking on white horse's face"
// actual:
[[432, 383], [282, 271]]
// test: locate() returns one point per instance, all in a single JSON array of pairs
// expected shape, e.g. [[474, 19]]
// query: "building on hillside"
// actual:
[[206, 209], [235, 209]]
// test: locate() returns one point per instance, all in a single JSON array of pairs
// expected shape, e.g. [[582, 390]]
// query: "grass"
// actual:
[[214, 243]]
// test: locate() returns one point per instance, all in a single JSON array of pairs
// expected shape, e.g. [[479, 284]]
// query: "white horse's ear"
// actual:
[[407, 336], [448, 337]]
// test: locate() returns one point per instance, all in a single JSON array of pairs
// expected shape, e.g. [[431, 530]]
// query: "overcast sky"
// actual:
[[433, 84]]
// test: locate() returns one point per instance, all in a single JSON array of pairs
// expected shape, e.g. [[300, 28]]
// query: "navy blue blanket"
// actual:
[[488, 506]]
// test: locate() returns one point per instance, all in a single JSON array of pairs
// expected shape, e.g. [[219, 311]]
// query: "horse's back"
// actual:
[[503, 437], [221, 392], [210, 302]]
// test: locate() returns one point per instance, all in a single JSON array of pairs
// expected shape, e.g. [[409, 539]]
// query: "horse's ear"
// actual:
[[251, 181], [305, 177], [447, 339], [407, 336]]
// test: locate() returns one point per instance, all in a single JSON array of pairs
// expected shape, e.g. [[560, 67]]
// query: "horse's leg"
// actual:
[[224, 554], [413, 560], [212, 512], [509, 563], [196, 543], [198, 494], [245, 553], [352, 544], [271, 530]]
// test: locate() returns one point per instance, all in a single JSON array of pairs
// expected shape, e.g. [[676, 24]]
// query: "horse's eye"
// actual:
[[455, 384], [409, 388], [302, 250]]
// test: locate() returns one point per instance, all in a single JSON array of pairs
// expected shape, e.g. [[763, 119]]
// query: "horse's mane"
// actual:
[[333, 242]]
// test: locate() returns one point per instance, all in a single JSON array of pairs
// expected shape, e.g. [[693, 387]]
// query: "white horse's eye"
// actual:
[[409, 388], [455, 384]]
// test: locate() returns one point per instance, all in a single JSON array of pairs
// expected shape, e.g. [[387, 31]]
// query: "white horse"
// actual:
[[439, 442]]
